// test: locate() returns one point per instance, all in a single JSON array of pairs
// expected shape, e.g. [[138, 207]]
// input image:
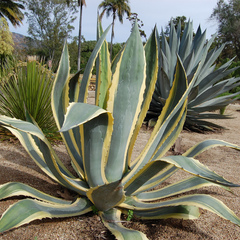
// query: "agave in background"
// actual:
[[100, 138], [198, 60]]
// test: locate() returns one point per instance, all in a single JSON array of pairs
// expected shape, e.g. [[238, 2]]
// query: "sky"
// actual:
[[151, 12]]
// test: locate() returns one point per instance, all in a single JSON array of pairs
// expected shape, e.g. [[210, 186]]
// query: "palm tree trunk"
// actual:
[[79, 37]]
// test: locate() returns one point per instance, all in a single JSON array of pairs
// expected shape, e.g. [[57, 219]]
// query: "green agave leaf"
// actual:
[[174, 105], [177, 212], [193, 166], [198, 200], [57, 169], [59, 98], [32, 149], [103, 71], [112, 221], [166, 50], [74, 85], [210, 59], [198, 44], [125, 100], [202, 75], [116, 59], [88, 69], [28, 210], [214, 91], [192, 115], [168, 122], [60, 101], [73, 144], [182, 186], [161, 166], [63, 169], [151, 53], [146, 173], [173, 45], [214, 104], [96, 128], [169, 137], [207, 144], [107, 196], [80, 113], [60, 172], [11, 189], [230, 85], [156, 180], [162, 87], [206, 95], [185, 47], [21, 126], [97, 135], [216, 76]]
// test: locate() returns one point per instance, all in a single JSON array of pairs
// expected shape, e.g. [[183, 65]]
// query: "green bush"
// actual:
[[27, 87]]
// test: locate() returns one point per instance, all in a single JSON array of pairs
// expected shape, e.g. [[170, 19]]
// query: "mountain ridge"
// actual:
[[19, 40]]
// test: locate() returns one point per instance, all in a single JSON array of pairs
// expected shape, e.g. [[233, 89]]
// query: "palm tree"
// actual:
[[117, 8], [80, 4], [11, 10]]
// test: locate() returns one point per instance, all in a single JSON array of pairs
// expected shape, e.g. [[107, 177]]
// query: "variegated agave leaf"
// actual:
[[99, 139], [36, 144]]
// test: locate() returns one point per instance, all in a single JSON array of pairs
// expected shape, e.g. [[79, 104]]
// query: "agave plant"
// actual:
[[28, 86], [211, 82], [100, 138]]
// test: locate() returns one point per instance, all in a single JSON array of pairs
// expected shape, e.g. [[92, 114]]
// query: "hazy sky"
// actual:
[[151, 12]]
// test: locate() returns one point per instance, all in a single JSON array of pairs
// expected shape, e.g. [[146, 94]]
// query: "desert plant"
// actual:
[[100, 139], [28, 87], [198, 59]]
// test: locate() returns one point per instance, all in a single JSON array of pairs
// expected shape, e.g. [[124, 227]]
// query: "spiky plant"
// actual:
[[100, 138], [28, 86], [198, 60]]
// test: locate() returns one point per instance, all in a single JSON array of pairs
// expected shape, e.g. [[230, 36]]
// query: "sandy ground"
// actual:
[[16, 165]]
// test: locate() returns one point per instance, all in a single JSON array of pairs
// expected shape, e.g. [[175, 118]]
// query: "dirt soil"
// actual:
[[17, 166]]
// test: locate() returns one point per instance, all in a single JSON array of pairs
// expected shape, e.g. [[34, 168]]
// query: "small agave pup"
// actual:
[[100, 138]]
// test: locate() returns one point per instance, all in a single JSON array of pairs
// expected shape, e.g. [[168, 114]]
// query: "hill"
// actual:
[[19, 41]]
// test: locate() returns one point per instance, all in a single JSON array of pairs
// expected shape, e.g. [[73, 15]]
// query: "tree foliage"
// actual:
[[227, 15], [177, 20], [133, 18], [50, 24], [117, 8], [11, 10], [6, 48], [87, 48], [6, 41]]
